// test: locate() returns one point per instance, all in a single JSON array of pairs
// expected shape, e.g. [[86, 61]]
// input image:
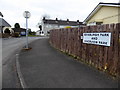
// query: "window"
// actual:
[[99, 23], [95, 23], [92, 23]]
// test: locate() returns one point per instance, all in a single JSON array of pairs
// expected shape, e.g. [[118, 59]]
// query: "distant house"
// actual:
[[39, 32], [20, 31], [4, 25], [48, 24], [104, 13], [1, 14]]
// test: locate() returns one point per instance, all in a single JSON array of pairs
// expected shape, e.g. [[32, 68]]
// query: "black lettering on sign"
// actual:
[[108, 35], [95, 34], [94, 38], [105, 34], [100, 42]]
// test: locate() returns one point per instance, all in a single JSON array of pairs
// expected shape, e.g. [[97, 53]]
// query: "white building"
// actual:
[[4, 25], [39, 32], [49, 24]]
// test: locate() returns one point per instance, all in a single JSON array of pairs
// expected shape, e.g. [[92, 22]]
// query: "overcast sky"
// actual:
[[62, 9]]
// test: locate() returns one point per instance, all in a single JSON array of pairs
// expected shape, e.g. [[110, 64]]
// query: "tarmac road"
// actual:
[[45, 67], [12, 44], [10, 47]]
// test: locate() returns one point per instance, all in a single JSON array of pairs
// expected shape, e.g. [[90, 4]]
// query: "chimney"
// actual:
[[78, 22], [56, 19], [43, 18], [67, 20]]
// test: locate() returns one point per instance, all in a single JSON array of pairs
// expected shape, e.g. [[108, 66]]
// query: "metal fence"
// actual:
[[102, 57]]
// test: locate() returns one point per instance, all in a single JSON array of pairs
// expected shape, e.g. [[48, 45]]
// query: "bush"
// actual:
[[17, 25], [32, 33], [68, 27], [5, 35], [16, 34], [0, 35]]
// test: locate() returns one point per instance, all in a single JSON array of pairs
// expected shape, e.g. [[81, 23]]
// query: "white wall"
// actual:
[[48, 27]]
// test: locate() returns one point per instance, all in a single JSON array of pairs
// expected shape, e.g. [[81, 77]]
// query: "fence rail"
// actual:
[[102, 57]]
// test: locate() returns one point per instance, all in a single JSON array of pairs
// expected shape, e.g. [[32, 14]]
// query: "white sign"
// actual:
[[97, 38]]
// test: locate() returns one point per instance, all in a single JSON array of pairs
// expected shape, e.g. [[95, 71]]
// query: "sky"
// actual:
[[73, 10]]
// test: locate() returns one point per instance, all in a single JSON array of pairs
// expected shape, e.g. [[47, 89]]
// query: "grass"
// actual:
[[34, 36]]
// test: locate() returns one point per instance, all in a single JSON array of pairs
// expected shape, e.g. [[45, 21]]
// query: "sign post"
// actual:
[[27, 15]]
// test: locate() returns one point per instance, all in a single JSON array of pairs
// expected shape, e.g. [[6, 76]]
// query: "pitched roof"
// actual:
[[4, 23], [98, 7], [61, 22], [1, 14]]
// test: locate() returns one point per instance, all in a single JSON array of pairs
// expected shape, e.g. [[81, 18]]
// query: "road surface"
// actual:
[[10, 47], [45, 67]]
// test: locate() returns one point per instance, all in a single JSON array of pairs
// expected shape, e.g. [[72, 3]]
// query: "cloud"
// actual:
[[63, 9]]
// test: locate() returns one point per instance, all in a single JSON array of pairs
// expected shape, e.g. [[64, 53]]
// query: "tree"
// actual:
[[29, 31], [17, 25]]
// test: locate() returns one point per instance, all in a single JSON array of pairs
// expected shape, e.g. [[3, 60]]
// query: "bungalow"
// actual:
[[48, 24], [20, 31], [5, 27], [104, 13], [39, 32]]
